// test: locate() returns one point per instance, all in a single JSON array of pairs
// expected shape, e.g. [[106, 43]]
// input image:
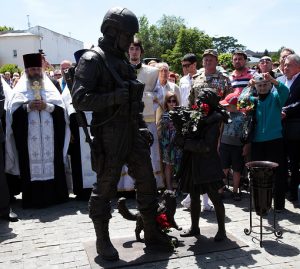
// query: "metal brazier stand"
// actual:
[[261, 174]]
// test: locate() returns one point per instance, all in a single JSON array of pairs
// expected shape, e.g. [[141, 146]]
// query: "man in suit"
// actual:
[[291, 111], [5, 211]]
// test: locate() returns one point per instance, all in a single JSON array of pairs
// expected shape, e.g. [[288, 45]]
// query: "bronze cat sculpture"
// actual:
[[166, 206]]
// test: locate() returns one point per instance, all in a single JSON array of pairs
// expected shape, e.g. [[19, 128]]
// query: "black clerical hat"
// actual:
[[32, 60]]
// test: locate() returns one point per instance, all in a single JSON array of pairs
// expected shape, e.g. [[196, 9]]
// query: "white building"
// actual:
[[57, 47]]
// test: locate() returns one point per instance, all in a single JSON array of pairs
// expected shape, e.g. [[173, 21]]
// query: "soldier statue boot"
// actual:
[[103, 244]]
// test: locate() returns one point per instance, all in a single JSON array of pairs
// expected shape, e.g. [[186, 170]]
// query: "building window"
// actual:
[[15, 54]]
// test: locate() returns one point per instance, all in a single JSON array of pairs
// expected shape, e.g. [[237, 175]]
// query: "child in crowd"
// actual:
[[231, 149], [171, 154]]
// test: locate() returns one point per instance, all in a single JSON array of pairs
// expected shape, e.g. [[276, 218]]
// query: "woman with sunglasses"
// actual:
[[171, 154]]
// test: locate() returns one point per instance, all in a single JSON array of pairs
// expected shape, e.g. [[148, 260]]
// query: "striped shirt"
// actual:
[[240, 81]]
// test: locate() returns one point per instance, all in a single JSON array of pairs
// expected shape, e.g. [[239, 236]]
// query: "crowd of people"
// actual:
[[108, 127], [275, 93], [162, 93]]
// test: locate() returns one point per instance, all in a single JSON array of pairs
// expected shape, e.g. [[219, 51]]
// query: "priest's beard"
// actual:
[[34, 79]]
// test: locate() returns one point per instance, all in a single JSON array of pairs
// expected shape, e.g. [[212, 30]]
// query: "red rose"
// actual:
[[205, 108], [195, 107], [162, 220]]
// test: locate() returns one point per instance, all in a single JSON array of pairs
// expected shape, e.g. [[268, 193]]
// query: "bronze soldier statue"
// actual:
[[106, 84]]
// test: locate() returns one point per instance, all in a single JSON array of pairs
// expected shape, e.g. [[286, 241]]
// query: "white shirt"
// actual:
[[288, 82], [185, 86]]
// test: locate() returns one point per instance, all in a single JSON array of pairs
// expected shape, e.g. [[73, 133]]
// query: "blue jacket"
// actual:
[[268, 114]]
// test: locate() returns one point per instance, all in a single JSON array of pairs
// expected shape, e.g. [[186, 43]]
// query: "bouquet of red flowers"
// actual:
[[188, 122]]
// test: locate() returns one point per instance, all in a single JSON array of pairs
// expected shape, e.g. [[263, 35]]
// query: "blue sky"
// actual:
[[257, 24]]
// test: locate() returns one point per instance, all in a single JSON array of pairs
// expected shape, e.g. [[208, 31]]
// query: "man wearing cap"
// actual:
[[148, 75], [241, 74], [37, 137], [209, 77], [189, 67]]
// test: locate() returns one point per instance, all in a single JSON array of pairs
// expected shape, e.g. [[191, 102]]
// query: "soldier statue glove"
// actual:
[[121, 96], [147, 135]]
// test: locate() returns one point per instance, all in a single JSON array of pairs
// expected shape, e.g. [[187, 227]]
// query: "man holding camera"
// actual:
[[106, 84]]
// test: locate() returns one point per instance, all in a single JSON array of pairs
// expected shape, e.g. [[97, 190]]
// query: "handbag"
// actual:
[[291, 129]]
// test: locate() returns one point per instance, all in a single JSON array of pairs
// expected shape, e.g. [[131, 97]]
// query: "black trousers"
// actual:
[[4, 193], [293, 152], [273, 151]]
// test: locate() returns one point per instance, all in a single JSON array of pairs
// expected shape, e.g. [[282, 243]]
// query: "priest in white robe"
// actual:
[[37, 137]]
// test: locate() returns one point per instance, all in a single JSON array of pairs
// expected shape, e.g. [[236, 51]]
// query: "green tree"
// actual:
[[5, 28], [226, 44], [266, 53], [149, 36], [10, 68], [189, 40], [225, 60], [168, 30], [276, 55], [158, 38]]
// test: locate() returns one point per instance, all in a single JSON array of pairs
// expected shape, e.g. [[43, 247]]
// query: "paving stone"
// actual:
[[53, 238]]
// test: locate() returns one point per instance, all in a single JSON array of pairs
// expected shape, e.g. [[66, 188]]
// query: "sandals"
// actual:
[[190, 232], [209, 208]]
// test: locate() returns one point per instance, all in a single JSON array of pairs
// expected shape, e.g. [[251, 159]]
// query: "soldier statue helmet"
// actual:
[[120, 24]]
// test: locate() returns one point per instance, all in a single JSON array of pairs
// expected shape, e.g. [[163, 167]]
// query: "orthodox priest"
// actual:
[[37, 137]]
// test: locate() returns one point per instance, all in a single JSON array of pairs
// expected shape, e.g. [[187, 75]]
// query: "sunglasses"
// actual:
[[186, 65], [172, 101]]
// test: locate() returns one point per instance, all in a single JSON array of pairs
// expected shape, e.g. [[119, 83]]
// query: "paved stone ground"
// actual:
[[53, 238]]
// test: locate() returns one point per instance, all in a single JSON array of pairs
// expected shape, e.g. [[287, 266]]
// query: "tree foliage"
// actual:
[[189, 40], [5, 28], [157, 39], [170, 39], [275, 56], [10, 68], [148, 34], [168, 29], [226, 44], [225, 60]]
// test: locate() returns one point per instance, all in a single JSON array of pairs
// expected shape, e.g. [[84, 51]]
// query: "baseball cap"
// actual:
[[230, 99], [210, 52], [241, 52]]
